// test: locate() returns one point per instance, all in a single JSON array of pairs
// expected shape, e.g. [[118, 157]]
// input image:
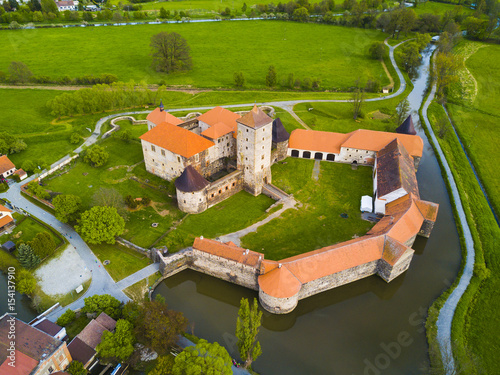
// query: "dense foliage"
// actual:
[[100, 224]]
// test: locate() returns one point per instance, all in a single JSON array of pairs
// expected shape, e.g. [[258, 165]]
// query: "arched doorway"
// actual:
[[318, 156], [295, 153], [306, 155], [330, 157]]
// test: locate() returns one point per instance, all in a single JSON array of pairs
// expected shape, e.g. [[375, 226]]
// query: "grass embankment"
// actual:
[[475, 329], [140, 290], [317, 223], [218, 50], [476, 120]]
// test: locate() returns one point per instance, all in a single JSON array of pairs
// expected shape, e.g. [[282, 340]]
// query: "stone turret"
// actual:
[[280, 141], [254, 143], [407, 127], [191, 190]]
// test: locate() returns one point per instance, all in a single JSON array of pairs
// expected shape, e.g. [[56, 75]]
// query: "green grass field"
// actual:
[[218, 49], [477, 124], [122, 260], [317, 223], [440, 8], [475, 329]]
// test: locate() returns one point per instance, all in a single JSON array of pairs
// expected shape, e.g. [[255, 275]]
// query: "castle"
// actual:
[[217, 141], [188, 149]]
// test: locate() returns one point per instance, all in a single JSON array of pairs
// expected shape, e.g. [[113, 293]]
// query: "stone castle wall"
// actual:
[[224, 187], [277, 305], [192, 202]]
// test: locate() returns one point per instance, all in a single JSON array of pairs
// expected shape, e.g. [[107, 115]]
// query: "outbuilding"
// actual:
[[9, 246]]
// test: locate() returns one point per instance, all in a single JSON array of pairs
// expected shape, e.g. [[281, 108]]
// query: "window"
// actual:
[[234, 184], [263, 138], [212, 195], [262, 147], [247, 139], [152, 148], [262, 166], [227, 187], [153, 160], [179, 159], [247, 147], [162, 152], [220, 191], [367, 152], [247, 132], [347, 149], [51, 370], [227, 144], [262, 157], [184, 201], [162, 164]]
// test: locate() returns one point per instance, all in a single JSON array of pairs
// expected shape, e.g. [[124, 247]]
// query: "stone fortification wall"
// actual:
[[222, 268], [225, 269], [426, 229], [337, 279], [278, 305], [388, 272], [224, 187], [279, 151], [192, 202]]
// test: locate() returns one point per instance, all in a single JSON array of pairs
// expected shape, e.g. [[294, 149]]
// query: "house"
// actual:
[[34, 352], [6, 219], [67, 5], [7, 168], [50, 328], [22, 174], [238, 150], [83, 346]]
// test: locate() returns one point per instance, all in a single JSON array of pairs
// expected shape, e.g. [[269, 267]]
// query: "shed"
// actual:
[[9, 246], [366, 203]]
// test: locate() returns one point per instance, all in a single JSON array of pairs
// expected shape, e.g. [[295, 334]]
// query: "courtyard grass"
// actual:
[[218, 50], [122, 260], [475, 329], [230, 215], [317, 223]]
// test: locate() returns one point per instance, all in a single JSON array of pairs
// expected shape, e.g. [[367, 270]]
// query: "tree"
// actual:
[[96, 156], [271, 77], [410, 55], [100, 224], [446, 67], [67, 317], [67, 207], [402, 111], [357, 100], [239, 79], [19, 72], [106, 303], [37, 190], [170, 52], [204, 358], [247, 328], [476, 28], [76, 368], [118, 345], [244, 7], [300, 14], [164, 365], [26, 282], [26, 256], [158, 327], [49, 6], [43, 245], [87, 16], [377, 50], [75, 137], [10, 144], [110, 197], [164, 13]]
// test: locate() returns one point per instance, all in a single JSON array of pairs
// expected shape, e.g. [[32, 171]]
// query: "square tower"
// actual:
[[254, 143]]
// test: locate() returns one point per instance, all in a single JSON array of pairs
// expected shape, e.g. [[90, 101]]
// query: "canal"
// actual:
[[367, 327]]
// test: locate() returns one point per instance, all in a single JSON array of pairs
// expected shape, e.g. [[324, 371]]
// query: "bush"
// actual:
[[26, 282], [76, 368], [74, 138], [239, 79], [37, 190], [146, 201], [130, 202], [96, 156], [43, 245], [66, 318]]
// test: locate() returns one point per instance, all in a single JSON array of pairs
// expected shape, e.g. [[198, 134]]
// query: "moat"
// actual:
[[345, 330]]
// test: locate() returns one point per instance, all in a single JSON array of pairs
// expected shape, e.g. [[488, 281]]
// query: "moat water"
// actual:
[[367, 327]]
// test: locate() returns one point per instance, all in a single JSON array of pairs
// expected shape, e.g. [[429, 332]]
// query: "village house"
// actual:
[[6, 219], [35, 352], [67, 5], [7, 168]]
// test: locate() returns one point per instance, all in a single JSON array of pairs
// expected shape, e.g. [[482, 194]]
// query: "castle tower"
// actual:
[[254, 144]]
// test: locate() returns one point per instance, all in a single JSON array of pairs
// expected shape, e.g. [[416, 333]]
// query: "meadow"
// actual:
[[218, 50], [475, 329], [477, 124]]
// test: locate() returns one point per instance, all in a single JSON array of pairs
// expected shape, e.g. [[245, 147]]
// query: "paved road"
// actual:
[[448, 310]]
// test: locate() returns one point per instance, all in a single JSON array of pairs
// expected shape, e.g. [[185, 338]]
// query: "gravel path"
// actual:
[[63, 274], [448, 310]]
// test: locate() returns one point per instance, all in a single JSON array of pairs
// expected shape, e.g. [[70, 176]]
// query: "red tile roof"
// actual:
[[217, 131], [177, 140], [92, 333], [255, 118], [4, 209], [227, 251], [219, 114], [362, 139], [157, 117], [5, 220], [24, 365], [5, 164], [106, 321], [280, 283]]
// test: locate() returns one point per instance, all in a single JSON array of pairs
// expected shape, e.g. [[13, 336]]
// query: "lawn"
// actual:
[[317, 223], [122, 260], [230, 215], [477, 124], [475, 329], [26, 229], [138, 291], [440, 8], [218, 49]]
